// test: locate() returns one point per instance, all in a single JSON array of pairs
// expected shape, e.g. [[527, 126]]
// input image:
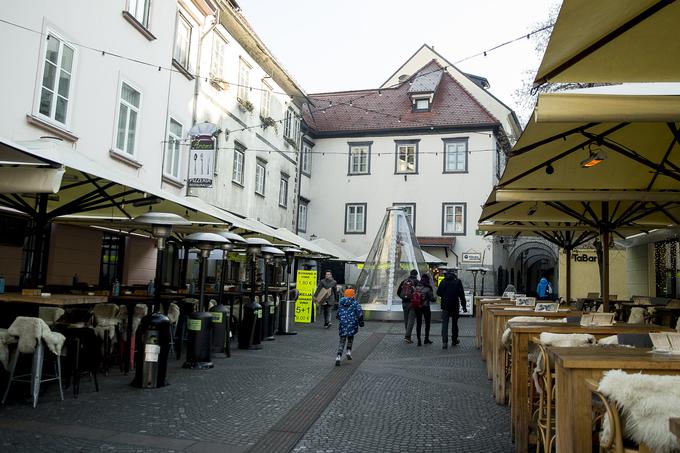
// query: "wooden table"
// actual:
[[55, 300], [498, 320], [674, 425], [572, 397], [485, 325], [478, 303], [520, 375]]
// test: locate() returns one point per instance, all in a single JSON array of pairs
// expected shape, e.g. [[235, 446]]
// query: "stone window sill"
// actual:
[[124, 158], [177, 65], [56, 130], [138, 26], [168, 179]]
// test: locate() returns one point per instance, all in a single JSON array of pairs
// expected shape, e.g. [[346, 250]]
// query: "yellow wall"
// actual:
[[585, 276]]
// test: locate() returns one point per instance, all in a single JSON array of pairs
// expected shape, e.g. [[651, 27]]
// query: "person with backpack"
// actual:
[[405, 292], [350, 318], [453, 298], [420, 302], [544, 288]]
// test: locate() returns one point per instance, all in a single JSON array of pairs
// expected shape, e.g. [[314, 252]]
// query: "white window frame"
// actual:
[[359, 159], [138, 110], [265, 100], [55, 89], [418, 108], [451, 145], [306, 159], [452, 207], [260, 177], [283, 191], [173, 152], [302, 216], [243, 79], [238, 165], [216, 58], [134, 9], [410, 208], [182, 19], [352, 213], [406, 154]]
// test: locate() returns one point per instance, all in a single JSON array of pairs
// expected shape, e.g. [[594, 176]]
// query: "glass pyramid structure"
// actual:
[[395, 252]]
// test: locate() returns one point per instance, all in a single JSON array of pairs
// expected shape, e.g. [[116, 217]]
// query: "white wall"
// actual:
[[332, 188], [637, 270]]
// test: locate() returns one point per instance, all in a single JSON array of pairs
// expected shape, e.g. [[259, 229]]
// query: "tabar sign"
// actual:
[[201, 161], [306, 285]]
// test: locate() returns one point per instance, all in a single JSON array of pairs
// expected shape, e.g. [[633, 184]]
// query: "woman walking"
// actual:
[[427, 291]]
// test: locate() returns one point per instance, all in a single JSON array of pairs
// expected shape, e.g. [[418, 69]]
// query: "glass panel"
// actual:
[[175, 167], [132, 130], [45, 101], [60, 112], [64, 83], [129, 95], [122, 121], [66, 58], [52, 53], [49, 74]]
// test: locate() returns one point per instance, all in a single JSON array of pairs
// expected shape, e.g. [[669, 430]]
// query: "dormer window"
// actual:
[[421, 104]]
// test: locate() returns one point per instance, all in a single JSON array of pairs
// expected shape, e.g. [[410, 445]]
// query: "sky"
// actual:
[[333, 45]]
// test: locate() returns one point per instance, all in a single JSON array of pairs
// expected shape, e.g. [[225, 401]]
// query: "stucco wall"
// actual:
[[74, 250], [585, 276], [140, 261], [10, 264]]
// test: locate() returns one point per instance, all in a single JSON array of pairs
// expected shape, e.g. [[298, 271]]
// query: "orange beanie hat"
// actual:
[[349, 292]]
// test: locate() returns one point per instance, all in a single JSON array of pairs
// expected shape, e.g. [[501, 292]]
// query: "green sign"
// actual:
[[217, 317], [272, 308], [194, 324], [259, 313]]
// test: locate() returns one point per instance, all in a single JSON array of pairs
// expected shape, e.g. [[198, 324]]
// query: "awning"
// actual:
[[429, 258], [303, 243], [340, 253], [613, 41], [94, 194]]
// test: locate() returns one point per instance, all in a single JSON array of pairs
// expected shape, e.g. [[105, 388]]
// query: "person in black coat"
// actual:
[[425, 288], [453, 297]]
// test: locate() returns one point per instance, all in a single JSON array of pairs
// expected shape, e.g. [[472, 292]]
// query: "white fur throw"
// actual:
[[646, 403], [50, 314], [5, 339], [31, 330], [566, 339], [612, 339], [140, 311], [637, 315], [173, 313], [506, 339]]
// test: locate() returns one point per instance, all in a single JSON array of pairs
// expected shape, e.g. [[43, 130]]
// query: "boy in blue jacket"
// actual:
[[351, 318]]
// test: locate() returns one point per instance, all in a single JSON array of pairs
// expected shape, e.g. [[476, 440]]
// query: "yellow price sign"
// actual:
[[306, 285]]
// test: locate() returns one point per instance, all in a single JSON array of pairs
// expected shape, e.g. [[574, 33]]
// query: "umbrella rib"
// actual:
[[545, 141], [626, 213], [592, 212], [64, 209], [14, 205], [591, 138], [606, 39], [674, 131], [666, 213], [23, 202], [566, 210], [105, 194], [483, 219]]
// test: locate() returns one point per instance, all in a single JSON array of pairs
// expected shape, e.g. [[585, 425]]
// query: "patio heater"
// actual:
[[249, 332], [153, 338], [270, 255], [221, 342], [284, 310], [199, 323]]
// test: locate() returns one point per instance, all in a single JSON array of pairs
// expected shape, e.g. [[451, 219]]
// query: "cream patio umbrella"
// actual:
[[613, 41]]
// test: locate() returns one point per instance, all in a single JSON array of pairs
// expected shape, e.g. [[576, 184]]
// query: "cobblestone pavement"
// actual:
[[401, 398]]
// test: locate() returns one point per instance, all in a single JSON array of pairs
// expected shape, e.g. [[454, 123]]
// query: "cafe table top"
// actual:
[[479, 303], [573, 366], [520, 373], [57, 300]]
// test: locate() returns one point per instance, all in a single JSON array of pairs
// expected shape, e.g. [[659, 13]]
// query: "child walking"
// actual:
[[350, 319]]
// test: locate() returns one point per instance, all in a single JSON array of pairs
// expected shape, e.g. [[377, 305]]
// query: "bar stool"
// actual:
[[173, 316], [82, 355], [33, 335], [106, 322]]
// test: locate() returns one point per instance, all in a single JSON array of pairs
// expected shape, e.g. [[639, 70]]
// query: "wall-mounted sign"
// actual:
[[472, 257], [582, 257], [201, 161]]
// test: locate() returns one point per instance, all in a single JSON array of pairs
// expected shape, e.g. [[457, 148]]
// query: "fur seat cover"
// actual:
[[106, 320], [140, 311], [646, 402], [506, 340], [173, 313], [31, 330], [5, 339], [637, 315], [566, 339]]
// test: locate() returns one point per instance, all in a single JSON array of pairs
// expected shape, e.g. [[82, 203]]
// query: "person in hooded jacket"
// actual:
[[425, 288], [326, 294], [453, 298], [409, 314], [350, 318]]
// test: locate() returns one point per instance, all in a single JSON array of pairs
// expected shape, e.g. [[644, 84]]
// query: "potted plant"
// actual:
[[245, 105], [268, 122]]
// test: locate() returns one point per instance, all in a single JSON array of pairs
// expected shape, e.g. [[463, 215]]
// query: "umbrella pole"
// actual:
[[567, 252], [605, 257]]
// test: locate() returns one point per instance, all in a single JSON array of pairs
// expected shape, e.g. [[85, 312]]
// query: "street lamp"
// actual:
[[251, 325], [284, 311], [271, 255]]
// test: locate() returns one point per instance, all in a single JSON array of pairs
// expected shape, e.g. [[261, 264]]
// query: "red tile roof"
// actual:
[[436, 241], [390, 108]]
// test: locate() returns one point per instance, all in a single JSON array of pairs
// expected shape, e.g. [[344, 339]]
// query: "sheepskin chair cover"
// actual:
[[50, 314], [31, 330], [5, 340], [507, 338], [212, 303], [612, 339], [173, 313], [646, 402], [566, 339], [106, 320], [140, 311], [637, 315]]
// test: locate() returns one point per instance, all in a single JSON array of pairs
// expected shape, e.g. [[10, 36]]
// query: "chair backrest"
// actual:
[[50, 314], [105, 311], [173, 313], [638, 340], [141, 310]]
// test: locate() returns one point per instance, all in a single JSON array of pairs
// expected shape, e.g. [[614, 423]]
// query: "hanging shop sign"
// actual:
[[582, 256], [306, 285], [201, 161], [472, 257]]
